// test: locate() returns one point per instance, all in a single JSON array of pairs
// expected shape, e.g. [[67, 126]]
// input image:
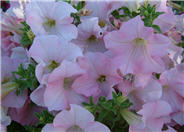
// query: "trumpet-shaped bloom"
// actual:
[[154, 115], [51, 18], [59, 85], [49, 51], [102, 9], [99, 78], [77, 119], [137, 48], [173, 88], [141, 90], [90, 36]]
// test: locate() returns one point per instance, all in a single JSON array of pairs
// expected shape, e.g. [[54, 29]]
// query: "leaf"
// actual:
[[25, 78], [108, 111], [28, 36], [44, 118], [157, 28]]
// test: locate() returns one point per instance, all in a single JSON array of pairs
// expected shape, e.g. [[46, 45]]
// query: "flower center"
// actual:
[[53, 64], [75, 128], [67, 83], [49, 23], [102, 78], [101, 23], [92, 38], [139, 41]]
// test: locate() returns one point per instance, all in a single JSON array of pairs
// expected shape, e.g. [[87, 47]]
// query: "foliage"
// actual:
[[149, 14], [76, 19], [108, 111], [28, 36], [126, 13], [15, 127], [44, 118], [76, 16], [79, 5], [25, 78]]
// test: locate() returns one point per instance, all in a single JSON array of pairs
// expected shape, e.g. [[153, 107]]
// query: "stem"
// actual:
[[174, 5], [130, 117], [6, 88]]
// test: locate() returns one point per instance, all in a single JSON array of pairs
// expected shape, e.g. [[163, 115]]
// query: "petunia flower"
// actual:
[[51, 18], [102, 10], [140, 89], [90, 36], [99, 78], [172, 82], [77, 119], [59, 85], [137, 48], [49, 51], [154, 115]]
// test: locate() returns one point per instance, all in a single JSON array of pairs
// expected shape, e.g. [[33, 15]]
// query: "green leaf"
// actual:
[[76, 19], [157, 28], [44, 118], [108, 111], [25, 78], [28, 36], [79, 5], [149, 14]]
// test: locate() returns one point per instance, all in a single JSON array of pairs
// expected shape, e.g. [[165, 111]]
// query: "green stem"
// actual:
[[6, 88]]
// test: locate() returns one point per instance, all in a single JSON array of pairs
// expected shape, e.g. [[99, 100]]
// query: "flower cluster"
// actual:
[[92, 66]]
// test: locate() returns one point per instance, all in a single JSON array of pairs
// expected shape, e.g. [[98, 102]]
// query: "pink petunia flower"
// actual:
[[90, 36], [51, 18], [154, 115], [77, 119], [102, 10], [49, 51], [99, 78], [59, 85], [137, 48], [140, 89], [172, 82]]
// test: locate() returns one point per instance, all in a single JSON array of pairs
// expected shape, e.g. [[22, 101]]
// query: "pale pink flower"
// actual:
[[102, 9], [154, 115], [173, 88], [77, 119], [51, 18], [49, 51], [137, 48], [37, 96], [140, 89], [59, 85], [90, 36], [99, 78]]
